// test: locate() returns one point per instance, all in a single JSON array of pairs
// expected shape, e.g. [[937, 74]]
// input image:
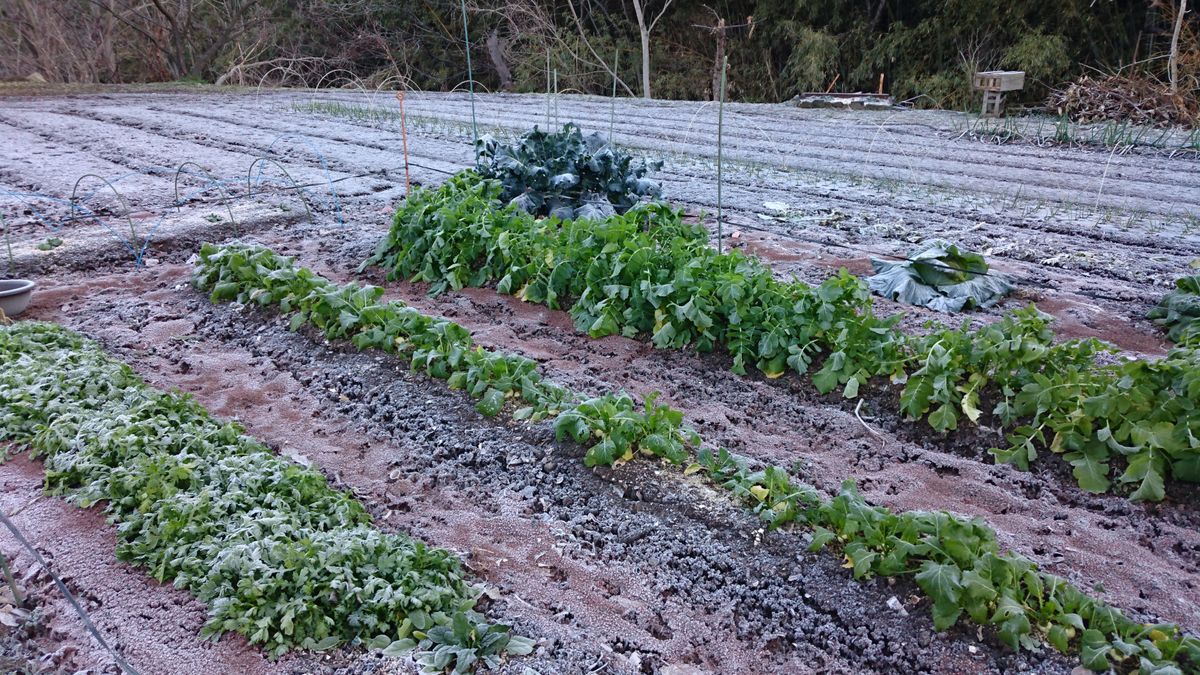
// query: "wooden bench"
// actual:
[[994, 84]]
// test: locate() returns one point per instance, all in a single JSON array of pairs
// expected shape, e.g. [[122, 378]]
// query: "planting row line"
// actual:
[[956, 561], [276, 553], [648, 273]]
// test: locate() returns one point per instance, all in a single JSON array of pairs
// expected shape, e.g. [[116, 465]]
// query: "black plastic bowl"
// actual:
[[15, 295]]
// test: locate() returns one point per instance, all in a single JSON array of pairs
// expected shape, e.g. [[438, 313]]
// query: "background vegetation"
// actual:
[[923, 49]]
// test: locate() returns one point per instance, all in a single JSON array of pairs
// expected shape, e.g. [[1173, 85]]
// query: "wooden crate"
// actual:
[[994, 83], [1000, 80]]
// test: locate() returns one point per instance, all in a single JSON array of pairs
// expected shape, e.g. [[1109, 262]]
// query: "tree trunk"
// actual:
[[716, 73], [645, 63], [496, 54], [1173, 60], [108, 56]]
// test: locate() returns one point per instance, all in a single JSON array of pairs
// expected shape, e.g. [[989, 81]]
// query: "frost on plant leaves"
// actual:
[[940, 276], [1179, 311], [566, 175]]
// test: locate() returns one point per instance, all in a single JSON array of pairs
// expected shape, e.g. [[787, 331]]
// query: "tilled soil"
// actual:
[[635, 569], [1093, 236]]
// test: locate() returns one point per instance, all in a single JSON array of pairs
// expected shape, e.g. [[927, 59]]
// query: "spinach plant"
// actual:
[[956, 561], [277, 554]]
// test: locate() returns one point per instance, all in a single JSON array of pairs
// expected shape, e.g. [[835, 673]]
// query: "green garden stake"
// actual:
[[720, 128], [470, 81], [549, 97]]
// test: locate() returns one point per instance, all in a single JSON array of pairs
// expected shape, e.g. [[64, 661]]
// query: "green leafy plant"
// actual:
[[458, 645], [956, 561], [619, 425], [619, 430], [50, 244], [1179, 311], [940, 276], [277, 554], [566, 174], [441, 348], [960, 566], [647, 273]]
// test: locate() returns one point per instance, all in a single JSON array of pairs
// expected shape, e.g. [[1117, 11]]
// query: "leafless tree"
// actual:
[[642, 8], [533, 27], [1173, 58], [495, 49], [188, 35], [60, 41]]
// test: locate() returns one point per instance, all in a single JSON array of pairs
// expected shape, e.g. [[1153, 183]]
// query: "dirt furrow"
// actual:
[[1146, 556], [655, 571]]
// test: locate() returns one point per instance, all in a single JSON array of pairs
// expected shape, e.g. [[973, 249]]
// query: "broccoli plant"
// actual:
[[940, 276], [567, 174]]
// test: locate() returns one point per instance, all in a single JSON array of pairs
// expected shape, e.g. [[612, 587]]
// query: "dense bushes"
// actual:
[[776, 48]]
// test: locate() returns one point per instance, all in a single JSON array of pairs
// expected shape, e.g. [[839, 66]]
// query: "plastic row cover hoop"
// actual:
[[391, 84], [133, 238], [30, 200], [337, 202], [141, 252], [335, 76], [211, 182], [12, 264], [140, 247], [286, 70], [468, 83], [295, 185]]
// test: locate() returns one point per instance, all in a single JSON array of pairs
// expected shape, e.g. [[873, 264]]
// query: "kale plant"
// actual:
[[567, 174]]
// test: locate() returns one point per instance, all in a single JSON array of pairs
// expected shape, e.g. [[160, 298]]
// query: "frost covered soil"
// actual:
[[629, 570]]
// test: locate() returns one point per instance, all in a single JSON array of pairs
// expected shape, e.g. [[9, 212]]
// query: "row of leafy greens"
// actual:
[[276, 553], [649, 273], [567, 175], [956, 561]]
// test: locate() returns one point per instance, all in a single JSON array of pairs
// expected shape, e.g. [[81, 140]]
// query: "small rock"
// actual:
[[897, 606]]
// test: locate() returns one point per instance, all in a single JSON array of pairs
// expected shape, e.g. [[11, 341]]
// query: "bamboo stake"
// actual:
[[404, 142], [720, 134], [470, 81], [1173, 60]]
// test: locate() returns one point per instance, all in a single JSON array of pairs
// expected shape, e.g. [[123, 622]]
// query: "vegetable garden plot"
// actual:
[[355, 145], [643, 544], [956, 562]]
